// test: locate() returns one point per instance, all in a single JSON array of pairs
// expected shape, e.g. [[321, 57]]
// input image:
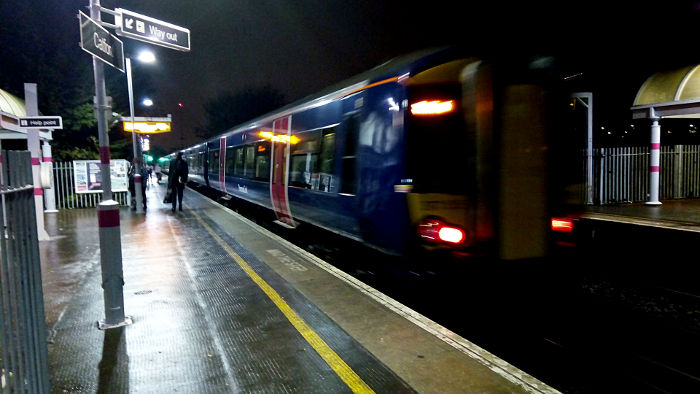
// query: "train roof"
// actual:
[[406, 64]]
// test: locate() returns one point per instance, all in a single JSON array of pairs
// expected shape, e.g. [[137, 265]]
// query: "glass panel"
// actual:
[[301, 170], [249, 161], [327, 151], [238, 161], [214, 162], [262, 161], [230, 160]]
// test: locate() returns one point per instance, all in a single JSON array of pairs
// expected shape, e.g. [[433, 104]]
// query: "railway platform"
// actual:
[[220, 305], [681, 215]]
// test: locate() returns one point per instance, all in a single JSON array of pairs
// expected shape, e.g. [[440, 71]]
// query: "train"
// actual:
[[432, 151]]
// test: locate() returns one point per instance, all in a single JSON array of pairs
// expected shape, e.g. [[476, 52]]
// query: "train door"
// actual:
[[281, 129], [205, 163], [222, 163]]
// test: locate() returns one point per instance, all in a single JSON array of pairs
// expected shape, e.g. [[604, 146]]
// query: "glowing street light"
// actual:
[[147, 102], [146, 57]]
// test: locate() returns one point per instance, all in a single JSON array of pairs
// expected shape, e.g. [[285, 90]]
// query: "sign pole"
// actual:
[[108, 209], [138, 186]]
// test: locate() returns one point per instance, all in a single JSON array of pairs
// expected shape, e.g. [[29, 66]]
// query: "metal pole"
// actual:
[[654, 162], [49, 194], [138, 187], [108, 209]]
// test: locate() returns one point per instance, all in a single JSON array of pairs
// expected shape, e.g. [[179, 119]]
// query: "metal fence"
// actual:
[[67, 198], [621, 174], [22, 325]]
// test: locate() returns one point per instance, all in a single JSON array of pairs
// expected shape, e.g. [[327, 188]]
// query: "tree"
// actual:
[[231, 109], [40, 53]]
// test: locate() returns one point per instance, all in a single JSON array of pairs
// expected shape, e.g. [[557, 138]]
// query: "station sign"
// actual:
[[98, 42], [41, 122], [147, 127], [147, 29]]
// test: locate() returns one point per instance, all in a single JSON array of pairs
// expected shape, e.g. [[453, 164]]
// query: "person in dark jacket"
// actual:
[[132, 188], [177, 178]]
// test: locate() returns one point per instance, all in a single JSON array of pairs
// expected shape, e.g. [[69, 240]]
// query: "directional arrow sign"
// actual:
[[144, 28], [41, 122], [97, 41]]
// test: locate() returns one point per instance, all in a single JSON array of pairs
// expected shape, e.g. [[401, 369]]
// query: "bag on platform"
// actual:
[[168, 196]]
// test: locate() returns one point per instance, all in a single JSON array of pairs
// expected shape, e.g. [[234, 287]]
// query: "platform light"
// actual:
[[146, 56], [284, 138], [434, 107]]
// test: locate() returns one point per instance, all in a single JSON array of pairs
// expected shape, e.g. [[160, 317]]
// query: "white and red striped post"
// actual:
[[49, 196], [32, 108], [654, 162]]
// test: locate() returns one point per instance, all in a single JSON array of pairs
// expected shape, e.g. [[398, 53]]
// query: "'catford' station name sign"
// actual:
[[97, 41]]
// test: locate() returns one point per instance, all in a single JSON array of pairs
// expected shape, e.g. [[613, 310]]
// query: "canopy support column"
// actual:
[[654, 163]]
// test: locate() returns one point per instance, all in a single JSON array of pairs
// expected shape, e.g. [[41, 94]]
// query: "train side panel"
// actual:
[[382, 209]]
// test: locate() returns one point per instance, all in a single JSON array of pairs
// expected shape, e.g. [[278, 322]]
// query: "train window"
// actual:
[[214, 161], [238, 161], [304, 158], [301, 169], [327, 151], [262, 161], [311, 163], [352, 131], [249, 161], [229, 160], [439, 153]]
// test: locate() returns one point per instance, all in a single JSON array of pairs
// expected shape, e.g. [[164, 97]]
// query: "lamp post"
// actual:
[[146, 57]]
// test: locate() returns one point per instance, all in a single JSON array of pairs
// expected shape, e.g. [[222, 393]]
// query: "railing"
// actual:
[[22, 322], [622, 174], [67, 198]]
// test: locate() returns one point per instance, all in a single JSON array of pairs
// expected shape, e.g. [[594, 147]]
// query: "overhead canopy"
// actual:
[[11, 104], [11, 109], [667, 94]]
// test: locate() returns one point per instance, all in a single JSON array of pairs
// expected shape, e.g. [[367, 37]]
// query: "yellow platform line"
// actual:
[[356, 384]]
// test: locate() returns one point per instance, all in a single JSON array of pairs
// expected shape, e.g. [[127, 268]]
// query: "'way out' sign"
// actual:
[[144, 28]]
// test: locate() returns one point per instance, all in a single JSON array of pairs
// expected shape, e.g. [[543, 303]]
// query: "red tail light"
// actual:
[[562, 225], [434, 230]]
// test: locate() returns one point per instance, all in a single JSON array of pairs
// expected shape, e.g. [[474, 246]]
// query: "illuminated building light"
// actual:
[[435, 107], [148, 127]]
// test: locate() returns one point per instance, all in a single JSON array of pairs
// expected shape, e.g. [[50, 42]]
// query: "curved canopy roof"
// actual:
[[673, 93], [11, 104]]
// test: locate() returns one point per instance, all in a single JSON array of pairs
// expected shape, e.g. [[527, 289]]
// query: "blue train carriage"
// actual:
[[398, 157]]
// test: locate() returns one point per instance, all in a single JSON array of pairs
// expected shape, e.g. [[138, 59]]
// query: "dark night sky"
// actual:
[[302, 46]]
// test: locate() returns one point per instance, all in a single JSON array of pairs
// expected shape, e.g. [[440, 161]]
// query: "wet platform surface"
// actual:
[[220, 305], [683, 215]]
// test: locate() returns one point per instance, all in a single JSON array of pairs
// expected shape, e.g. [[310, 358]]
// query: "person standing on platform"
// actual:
[[177, 178], [132, 188], [159, 173]]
